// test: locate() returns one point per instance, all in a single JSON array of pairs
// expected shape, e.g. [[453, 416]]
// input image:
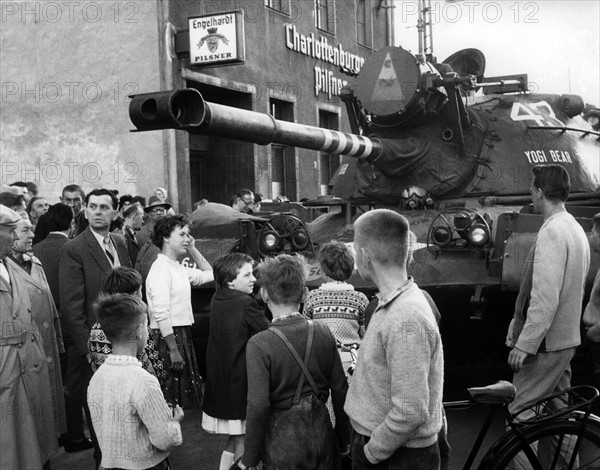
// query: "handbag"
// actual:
[[301, 437]]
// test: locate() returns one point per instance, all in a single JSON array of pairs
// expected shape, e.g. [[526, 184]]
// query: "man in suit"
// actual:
[[58, 222], [58, 219], [134, 216], [83, 263]]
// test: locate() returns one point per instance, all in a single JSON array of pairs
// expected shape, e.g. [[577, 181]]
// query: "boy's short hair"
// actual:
[[336, 260], [284, 278], [121, 280], [164, 226], [227, 267], [553, 180], [384, 234], [120, 315]]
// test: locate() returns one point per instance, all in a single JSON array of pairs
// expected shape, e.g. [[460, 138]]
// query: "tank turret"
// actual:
[[417, 125]]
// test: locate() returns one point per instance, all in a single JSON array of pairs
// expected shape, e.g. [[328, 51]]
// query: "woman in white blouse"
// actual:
[[168, 289]]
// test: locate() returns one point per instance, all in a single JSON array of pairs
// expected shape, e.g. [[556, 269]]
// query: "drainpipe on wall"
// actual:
[[166, 55]]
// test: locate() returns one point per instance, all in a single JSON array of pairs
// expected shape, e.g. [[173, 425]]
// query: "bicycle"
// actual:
[[558, 432]]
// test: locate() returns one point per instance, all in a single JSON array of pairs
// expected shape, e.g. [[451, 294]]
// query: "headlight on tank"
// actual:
[[478, 234], [269, 241], [442, 235], [300, 240]]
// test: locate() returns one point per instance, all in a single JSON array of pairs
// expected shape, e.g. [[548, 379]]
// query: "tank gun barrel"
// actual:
[[187, 110]]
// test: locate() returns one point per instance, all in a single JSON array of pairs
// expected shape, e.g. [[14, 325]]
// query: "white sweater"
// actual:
[[170, 295], [131, 418]]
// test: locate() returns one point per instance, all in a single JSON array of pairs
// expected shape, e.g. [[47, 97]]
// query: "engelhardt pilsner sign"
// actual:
[[217, 39]]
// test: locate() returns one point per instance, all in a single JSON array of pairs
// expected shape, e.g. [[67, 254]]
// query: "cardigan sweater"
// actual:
[[169, 294], [131, 418], [553, 282], [273, 376], [395, 394], [234, 318]]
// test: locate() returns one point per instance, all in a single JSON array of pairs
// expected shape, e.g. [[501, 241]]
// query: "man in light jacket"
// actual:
[[544, 332]]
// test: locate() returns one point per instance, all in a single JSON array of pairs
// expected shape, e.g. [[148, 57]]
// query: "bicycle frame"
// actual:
[[585, 419], [458, 405], [544, 412]]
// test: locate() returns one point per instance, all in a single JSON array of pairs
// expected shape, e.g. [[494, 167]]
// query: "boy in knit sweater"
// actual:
[[395, 397], [136, 429]]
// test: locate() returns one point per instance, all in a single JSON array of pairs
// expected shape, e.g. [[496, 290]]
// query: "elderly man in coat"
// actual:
[[28, 272], [28, 437]]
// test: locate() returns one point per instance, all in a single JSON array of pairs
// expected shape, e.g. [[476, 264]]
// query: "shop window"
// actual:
[[364, 23], [325, 15]]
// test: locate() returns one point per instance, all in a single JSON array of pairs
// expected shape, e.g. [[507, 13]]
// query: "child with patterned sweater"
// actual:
[[336, 303], [136, 429]]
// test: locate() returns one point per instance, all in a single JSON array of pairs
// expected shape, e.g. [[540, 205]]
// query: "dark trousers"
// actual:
[[77, 379], [73, 404], [404, 458]]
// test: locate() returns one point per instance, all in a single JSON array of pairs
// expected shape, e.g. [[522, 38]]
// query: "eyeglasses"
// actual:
[[159, 210]]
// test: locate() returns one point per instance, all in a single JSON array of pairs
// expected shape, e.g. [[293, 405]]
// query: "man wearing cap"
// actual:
[[13, 198], [83, 263], [28, 438], [156, 208]]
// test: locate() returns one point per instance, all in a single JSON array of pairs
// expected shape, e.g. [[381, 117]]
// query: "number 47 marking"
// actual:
[[540, 112]]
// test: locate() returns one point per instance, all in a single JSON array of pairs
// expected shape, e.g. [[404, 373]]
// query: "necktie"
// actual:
[[109, 250]]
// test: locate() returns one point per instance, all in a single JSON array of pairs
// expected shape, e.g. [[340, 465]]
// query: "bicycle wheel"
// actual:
[[555, 444]]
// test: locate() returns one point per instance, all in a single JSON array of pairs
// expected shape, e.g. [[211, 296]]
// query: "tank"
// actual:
[[442, 144]]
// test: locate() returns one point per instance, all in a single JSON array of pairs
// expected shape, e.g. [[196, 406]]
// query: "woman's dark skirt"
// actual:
[[183, 388]]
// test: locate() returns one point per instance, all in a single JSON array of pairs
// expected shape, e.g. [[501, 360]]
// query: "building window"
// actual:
[[328, 163], [279, 5], [364, 23], [283, 158], [325, 15]]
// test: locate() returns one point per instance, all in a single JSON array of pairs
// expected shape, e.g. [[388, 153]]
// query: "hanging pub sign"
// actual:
[[217, 39]]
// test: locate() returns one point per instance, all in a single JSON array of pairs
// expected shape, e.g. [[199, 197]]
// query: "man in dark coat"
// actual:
[[83, 263], [134, 216], [58, 219]]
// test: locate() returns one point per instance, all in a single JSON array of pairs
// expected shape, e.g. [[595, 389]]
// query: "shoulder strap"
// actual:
[[301, 363]]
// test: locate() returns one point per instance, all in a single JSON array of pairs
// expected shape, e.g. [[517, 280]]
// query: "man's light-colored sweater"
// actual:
[[395, 394], [553, 281], [133, 422]]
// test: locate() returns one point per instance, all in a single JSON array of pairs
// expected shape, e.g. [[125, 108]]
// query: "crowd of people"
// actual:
[[96, 321]]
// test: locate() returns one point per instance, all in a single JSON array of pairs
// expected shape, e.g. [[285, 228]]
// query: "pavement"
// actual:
[[202, 451]]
